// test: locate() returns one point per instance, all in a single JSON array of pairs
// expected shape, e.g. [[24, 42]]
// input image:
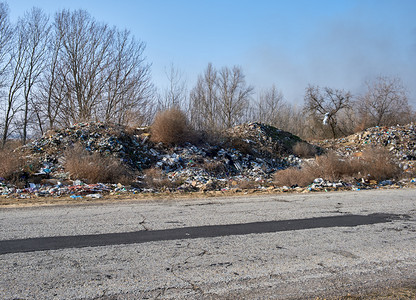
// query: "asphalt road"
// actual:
[[263, 247]]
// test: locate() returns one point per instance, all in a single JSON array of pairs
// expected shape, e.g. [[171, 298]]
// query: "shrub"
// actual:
[[94, 167], [378, 164], [331, 167], [303, 149], [171, 127], [11, 164], [293, 176], [374, 164]]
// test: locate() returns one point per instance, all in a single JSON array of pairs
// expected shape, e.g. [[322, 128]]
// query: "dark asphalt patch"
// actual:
[[107, 239]]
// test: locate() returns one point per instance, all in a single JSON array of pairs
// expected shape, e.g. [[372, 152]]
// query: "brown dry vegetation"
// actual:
[[154, 178], [215, 167], [11, 164], [379, 164], [374, 164], [94, 167], [171, 127], [304, 150], [293, 176], [247, 184]]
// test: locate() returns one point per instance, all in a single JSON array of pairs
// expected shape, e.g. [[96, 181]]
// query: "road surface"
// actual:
[[255, 247]]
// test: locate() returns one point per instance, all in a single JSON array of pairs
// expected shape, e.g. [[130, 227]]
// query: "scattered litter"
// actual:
[[386, 182], [97, 196], [398, 140], [247, 157]]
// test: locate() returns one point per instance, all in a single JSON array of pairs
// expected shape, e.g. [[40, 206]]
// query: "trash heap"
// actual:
[[246, 157], [398, 140], [213, 167], [95, 137], [264, 140], [247, 154]]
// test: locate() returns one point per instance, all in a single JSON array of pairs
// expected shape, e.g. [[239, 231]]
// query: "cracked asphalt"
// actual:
[[293, 264]]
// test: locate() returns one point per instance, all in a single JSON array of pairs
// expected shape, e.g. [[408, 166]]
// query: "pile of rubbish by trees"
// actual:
[[170, 156], [55, 72]]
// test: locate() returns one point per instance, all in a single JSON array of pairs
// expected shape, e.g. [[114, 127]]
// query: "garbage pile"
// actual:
[[264, 140], [214, 167], [247, 155], [398, 140], [95, 137]]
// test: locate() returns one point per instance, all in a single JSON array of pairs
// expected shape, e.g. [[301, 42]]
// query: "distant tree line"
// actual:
[[70, 68], [66, 70]]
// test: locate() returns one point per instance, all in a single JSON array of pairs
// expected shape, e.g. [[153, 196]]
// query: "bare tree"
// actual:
[[33, 30], [6, 34], [326, 104], [51, 92], [204, 101], [293, 119], [233, 95], [175, 94], [76, 70], [107, 78], [15, 83], [86, 55], [269, 105], [384, 103], [128, 88], [6, 44]]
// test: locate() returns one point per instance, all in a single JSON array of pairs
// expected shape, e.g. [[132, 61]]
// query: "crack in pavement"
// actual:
[[142, 223], [193, 285]]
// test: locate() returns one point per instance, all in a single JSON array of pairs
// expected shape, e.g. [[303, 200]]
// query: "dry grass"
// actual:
[[293, 176], [94, 168], [378, 164], [171, 127], [214, 167], [304, 150], [374, 164], [247, 184], [11, 164], [154, 178]]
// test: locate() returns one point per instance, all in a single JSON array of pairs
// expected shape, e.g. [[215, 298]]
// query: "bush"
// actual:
[[305, 150], [332, 167], [171, 127], [378, 164], [293, 176], [94, 167], [11, 164], [374, 164]]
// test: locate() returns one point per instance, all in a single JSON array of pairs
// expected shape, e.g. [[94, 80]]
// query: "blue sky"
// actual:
[[338, 43]]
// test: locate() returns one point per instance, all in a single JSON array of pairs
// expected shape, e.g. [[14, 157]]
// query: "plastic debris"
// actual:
[[247, 157], [398, 140], [97, 196]]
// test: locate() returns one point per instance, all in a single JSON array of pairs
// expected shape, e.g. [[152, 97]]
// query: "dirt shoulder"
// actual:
[[9, 202]]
